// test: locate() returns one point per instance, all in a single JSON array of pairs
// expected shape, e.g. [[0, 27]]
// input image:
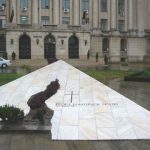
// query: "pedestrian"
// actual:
[[96, 57], [106, 59]]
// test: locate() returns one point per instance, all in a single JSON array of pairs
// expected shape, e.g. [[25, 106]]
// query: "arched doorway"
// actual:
[[49, 47], [2, 46], [123, 45], [24, 47], [73, 47], [105, 45]]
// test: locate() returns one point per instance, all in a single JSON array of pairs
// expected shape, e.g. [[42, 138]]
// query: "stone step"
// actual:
[[38, 63], [29, 62]]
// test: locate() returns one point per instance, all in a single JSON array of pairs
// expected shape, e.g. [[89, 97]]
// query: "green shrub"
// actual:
[[11, 114], [147, 74], [40, 115], [140, 76]]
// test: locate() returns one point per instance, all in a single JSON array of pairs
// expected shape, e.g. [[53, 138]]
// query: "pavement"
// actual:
[[38, 63], [42, 142]]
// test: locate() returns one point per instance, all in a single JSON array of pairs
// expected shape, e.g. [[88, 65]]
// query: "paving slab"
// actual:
[[84, 108]]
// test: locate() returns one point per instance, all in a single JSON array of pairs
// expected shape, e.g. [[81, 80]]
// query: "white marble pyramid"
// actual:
[[84, 109]]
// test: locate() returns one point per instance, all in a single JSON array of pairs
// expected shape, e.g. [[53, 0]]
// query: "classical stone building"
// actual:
[[69, 29]]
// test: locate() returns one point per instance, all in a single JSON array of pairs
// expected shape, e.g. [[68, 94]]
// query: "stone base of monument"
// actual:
[[30, 124]]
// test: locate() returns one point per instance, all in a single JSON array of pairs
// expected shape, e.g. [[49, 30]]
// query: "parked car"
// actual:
[[4, 63]]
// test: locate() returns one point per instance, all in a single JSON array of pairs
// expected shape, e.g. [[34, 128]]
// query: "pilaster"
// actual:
[[113, 14]]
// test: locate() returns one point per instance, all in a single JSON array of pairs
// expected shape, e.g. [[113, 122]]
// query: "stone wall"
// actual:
[[37, 50], [136, 48]]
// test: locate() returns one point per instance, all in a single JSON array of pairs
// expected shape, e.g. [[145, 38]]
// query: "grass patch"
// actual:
[[106, 75], [8, 77]]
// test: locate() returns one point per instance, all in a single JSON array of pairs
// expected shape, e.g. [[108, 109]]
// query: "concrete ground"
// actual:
[[79, 63], [42, 142]]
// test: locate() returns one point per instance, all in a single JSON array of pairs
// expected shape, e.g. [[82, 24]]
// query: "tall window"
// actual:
[[103, 5], [45, 4], [85, 5], [2, 44], [123, 44], [121, 25], [2, 23], [104, 24], [65, 20], [24, 19], [2, 2], [23, 3], [121, 7], [45, 20], [105, 44], [66, 4]]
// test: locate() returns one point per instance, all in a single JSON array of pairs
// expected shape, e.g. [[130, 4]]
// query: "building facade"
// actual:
[[70, 29]]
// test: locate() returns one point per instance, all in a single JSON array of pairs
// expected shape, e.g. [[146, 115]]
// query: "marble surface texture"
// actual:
[[84, 109]]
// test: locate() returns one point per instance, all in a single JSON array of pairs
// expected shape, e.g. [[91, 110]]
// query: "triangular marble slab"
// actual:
[[84, 109]]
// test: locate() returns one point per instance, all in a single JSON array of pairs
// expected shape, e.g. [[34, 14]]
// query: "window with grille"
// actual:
[[23, 3], [105, 44], [2, 44], [66, 4], [104, 24], [24, 19], [44, 4], [45, 20], [65, 20], [121, 7], [85, 5], [2, 2], [103, 5], [2, 23], [121, 25], [123, 44]]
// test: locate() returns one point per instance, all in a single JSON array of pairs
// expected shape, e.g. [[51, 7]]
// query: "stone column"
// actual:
[[90, 12], [109, 14], [56, 12], [130, 19], [126, 11], [148, 12], [95, 14], [76, 9], [134, 14], [13, 4], [18, 11], [51, 12], [35, 12], [70, 12], [61, 11], [113, 14], [140, 15]]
